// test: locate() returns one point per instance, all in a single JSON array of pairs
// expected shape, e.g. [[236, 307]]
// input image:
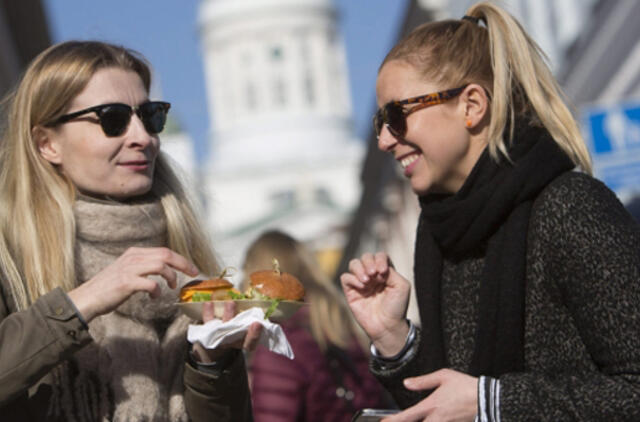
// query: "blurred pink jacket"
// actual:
[[304, 389]]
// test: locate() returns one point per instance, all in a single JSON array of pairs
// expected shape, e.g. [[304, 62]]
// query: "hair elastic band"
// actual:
[[472, 19]]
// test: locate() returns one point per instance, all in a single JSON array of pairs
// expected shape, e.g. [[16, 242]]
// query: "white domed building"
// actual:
[[282, 153]]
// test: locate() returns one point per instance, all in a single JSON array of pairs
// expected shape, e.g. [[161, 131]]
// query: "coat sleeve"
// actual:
[[590, 249], [218, 396], [277, 387], [35, 340]]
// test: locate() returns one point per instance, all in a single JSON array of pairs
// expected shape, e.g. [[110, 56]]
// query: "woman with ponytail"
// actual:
[[526, 268], [96, 236]]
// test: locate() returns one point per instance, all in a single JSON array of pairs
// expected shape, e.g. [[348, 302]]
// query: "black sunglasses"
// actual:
[[394, 115], [115, 117]]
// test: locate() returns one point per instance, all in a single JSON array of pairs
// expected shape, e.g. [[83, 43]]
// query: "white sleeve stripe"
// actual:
[[497, 401], [482, 411], [488, 399], [492, 392]]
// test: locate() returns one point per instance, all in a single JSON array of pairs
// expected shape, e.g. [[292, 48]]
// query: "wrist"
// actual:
[[395, 342], [77, 311], [83, 309]]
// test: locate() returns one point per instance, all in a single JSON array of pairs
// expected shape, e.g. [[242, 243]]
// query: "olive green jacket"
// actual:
[[35, 340]]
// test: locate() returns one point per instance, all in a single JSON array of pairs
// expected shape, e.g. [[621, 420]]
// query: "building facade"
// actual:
[[283, 153]]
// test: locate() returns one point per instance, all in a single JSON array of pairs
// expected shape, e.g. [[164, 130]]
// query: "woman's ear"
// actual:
[[476, 105], [47, 145]]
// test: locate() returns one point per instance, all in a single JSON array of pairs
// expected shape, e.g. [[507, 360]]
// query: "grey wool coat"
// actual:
[[582, 312]]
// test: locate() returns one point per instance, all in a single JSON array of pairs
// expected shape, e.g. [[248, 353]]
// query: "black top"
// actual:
[[582, 311]]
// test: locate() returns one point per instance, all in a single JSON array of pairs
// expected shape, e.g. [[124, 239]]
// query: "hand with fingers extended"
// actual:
[[454, 398], [127, 275], [248, 343], [378, 297]]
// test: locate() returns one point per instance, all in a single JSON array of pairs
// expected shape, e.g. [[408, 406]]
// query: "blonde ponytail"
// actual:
[[507, 63], [520, 65]]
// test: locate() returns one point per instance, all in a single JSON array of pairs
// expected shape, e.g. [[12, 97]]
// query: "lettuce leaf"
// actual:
[[272, 308], [201, 297], [236, 296]]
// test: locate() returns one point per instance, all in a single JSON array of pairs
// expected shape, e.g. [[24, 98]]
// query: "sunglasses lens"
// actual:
[[114, 119], [393, 116], [153, 116], [395, 119]]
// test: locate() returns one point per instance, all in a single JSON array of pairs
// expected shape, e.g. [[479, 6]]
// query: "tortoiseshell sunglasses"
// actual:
[[394, 115]]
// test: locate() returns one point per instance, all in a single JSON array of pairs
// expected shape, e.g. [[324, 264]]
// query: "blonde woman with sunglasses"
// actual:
[[526, 268], [97, 234]]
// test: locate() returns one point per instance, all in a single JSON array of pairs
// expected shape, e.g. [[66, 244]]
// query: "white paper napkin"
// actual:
[[216, 332]]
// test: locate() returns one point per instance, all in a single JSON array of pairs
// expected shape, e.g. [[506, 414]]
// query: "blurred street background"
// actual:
[[272, 102]]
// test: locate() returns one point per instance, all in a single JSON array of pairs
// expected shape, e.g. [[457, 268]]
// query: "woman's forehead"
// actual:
[[111, 85], [398, 80]]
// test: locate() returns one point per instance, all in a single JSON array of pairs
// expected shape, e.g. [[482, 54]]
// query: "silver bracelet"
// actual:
[[411, 336]]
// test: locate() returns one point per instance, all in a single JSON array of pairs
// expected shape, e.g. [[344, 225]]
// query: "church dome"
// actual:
[[223, 10]]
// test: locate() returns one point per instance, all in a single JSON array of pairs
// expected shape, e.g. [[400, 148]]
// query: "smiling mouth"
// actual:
[[408, 160]]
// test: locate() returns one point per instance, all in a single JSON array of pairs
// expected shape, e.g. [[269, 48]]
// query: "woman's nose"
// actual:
[[138, 135], [386, 141]]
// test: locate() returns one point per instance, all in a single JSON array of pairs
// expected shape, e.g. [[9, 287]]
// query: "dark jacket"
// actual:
[[305, 389], [35, 340], [582, 311]]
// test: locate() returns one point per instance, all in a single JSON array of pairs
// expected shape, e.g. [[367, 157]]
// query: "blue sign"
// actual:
[[613, 137]]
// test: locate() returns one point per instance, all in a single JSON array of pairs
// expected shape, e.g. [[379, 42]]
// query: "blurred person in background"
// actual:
[[527, 269], [96, 234], [329, 378]]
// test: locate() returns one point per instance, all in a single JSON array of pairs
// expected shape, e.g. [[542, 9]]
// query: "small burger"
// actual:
[[268, 285], [206, 290], [274, 286]]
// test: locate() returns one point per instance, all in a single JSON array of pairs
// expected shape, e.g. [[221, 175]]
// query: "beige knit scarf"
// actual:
[[132, 371]]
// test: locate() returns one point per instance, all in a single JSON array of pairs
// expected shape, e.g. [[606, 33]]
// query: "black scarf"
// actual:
[[491, 209]]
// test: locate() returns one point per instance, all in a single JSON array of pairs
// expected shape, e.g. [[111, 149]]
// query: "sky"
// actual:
[[166, 33]]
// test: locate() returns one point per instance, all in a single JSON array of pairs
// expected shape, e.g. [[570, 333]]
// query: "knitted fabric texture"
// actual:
[[490, 211], [582, 312], [133, 370]]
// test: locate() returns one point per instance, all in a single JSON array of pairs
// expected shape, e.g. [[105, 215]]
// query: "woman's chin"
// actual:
[[122, 194], [420, 188], [135, 193]]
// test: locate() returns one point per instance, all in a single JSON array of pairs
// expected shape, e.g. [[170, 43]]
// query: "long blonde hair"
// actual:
[[507, 63], [331, 321], [37, 223]]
